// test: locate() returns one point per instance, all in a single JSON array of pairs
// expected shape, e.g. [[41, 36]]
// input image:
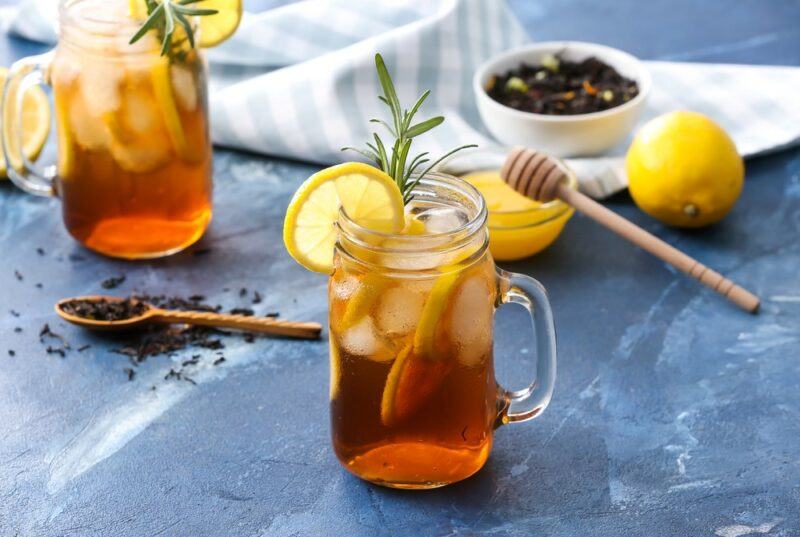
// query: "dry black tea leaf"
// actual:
[[557, 86], [113, 282]]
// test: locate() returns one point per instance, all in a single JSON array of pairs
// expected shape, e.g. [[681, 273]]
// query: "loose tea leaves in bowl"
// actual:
[[104, 310], [561, 87]]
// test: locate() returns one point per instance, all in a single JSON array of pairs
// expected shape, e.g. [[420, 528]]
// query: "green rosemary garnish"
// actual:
[[395, 164], [165, 15]]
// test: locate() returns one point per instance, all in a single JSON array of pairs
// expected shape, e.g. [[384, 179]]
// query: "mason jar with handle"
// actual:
[[414, 400], [134, 153]]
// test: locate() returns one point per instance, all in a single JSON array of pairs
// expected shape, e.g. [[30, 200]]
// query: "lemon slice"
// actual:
[[412, 380], [162, 89], [214, 29], [336, 371], [35, 125], [420, 369], [137, 10], [425, 336], [414, 226], [368, 196], [370, 288]]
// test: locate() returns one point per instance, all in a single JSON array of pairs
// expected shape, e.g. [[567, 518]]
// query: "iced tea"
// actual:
[[134, 156], [413, 394]]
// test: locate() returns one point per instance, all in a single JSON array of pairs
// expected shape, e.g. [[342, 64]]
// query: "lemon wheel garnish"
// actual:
[[368, 196], [137, 10], [35, 125], [214, 29]]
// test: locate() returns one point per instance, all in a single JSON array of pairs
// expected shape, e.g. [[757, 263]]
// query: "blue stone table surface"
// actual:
[[674, 413]]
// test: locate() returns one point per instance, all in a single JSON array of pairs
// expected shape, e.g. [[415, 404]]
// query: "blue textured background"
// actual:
[[674, 413]]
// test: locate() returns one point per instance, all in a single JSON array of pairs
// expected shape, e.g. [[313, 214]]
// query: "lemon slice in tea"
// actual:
[[411, 381], [163, 91], [369, 197], [419, 370]]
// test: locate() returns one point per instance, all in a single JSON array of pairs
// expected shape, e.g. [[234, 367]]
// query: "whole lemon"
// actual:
[[684, 170]]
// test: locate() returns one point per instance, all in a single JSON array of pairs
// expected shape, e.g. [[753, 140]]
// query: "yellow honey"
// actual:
[[519, 227]]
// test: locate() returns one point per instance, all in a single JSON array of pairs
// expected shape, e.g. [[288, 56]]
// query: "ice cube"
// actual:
[[184, 87], [100, 86], [89, 132], [140, 157], [64, 70], [140, 113], [361, 339], [140, 142], [471, 320], [344, 288], [399, 310], [442, 219]]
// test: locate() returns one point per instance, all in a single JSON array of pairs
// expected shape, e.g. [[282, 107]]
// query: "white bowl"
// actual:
[[561, 136]]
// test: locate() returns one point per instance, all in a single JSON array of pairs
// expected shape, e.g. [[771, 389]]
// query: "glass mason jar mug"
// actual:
[[414, 401], [134, 154]]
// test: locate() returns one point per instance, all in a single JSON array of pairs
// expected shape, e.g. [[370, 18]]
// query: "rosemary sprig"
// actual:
[[395, 161], [164, 16]]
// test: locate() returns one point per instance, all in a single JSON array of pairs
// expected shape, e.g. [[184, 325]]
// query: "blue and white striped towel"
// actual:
[[299, 81]]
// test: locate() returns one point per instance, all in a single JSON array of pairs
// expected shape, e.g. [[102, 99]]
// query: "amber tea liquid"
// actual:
[[413, 393], [134, 154]]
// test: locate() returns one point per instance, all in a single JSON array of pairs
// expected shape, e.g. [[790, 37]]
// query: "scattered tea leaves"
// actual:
[[113, 282], [46, 334], [178, 375], [56, 350], [191, 361]]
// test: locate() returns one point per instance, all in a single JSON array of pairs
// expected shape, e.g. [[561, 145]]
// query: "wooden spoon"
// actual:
[[152, 314], [542, 178]]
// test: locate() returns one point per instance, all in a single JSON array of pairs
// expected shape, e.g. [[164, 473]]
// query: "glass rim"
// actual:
[[475, 224], [75, 24], [66, 13]]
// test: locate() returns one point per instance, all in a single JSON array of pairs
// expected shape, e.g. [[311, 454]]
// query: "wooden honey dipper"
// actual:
[[542, 178]]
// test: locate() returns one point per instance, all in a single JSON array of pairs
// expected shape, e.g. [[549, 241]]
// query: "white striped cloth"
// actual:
[[299, 81]]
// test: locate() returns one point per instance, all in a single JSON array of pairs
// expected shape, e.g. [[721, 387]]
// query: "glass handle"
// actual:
[[530, 294], [24, 75]]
